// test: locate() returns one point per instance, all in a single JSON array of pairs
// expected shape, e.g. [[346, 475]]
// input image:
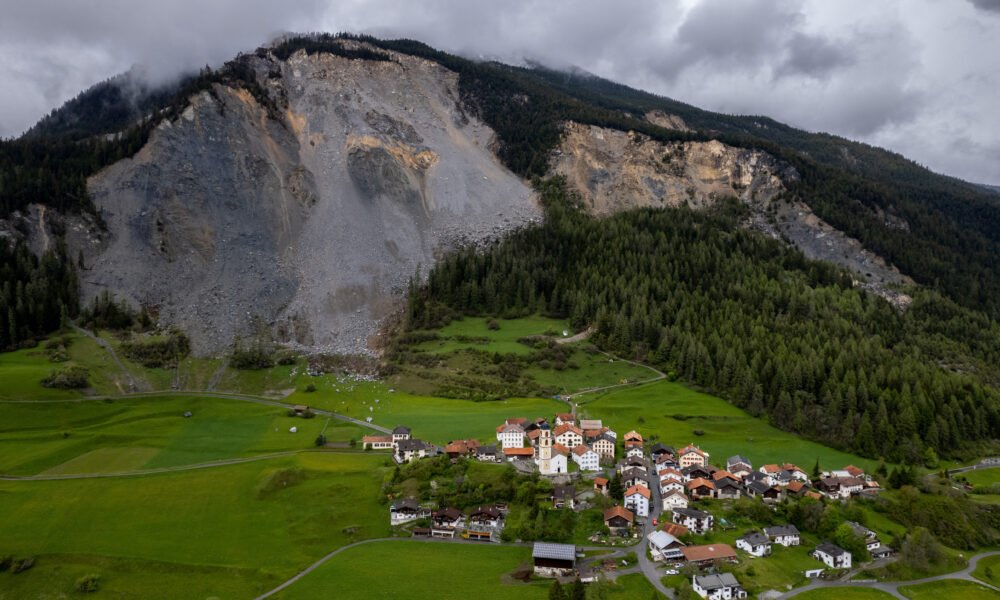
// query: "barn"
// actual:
[[553, 560]]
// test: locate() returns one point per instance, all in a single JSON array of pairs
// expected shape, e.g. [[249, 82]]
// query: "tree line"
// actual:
[[745, 317], [37, 294]]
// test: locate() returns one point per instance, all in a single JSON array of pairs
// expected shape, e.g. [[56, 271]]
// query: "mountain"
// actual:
[[301, 186]]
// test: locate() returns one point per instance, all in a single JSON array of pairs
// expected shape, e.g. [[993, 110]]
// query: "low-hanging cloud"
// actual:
[[919, 77]]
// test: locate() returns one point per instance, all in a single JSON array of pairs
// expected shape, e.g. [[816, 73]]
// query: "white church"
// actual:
[[547, 463]]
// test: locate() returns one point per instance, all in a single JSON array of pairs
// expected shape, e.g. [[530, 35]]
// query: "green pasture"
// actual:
[[948, 589]]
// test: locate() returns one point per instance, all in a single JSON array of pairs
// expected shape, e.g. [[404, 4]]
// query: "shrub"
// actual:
[[69, 378], [5, 562], [492, 325], [308, 414], [310, 388], [699, 432], [21, 565], [88, 583], [320, 440], [155, 353]]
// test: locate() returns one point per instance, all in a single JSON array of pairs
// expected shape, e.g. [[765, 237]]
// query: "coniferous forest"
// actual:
[[36, 294], [745, 317]]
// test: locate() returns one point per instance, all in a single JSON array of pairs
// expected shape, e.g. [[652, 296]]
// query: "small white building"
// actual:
[[634, 451], [637, 500], [698, 522], [786, 535], [587, 459], [665, 547], [568, 435], [723, 586], [754, 544], [832, 556], [674, 499]]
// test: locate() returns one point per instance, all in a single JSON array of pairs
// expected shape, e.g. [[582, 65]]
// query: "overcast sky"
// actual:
[[921, 77]]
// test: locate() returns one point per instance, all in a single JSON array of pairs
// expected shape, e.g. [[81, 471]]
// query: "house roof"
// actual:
[[534, 434], [410, 445], [486, 450], [755, 538], [854, 471], [633, 435], [633, 472], [716, 582], [619, 511], [592, 433], [678, 531], [591, 424], [401, 429], [738, 460], [490, 511], [814, 495], [451, 514], [660, 448], [371, 439], [637, 489], [851, 482], [691, 448], [690, 512], [830, 549], [405, 504], [581, 450], [516, 421], [720, 474], [510, 427], [604, 438], [563, 492], [709, 552], [567, 427], [554, 551], [759, 487], [770, 468], [519, 451], [700, 482], [781, 530], [601, 481], [792, 467], [565, 417], [662, 539], [560, 449]]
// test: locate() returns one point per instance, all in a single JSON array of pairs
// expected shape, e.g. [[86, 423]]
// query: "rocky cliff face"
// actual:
[[614, 170], [310, 223]]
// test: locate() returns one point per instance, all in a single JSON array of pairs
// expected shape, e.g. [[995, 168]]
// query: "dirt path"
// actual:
[[134, 385]]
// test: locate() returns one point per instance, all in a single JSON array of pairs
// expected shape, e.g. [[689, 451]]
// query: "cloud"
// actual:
[[917, 76]]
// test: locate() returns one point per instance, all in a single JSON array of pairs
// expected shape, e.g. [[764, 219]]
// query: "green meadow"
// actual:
[[102, 436], [948, 589], [473, 332], [272, 517], [844, 593], [680, 415]]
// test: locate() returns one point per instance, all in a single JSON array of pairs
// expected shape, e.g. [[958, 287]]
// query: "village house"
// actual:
[[406, 510], [671, 484], [700, 488], [634, 451], [400, 433], [763, 490], [601, 485], [532, 436], [723, 586], [692, 455], [850, 486], [487, 454], [565, 419], [678, 531], [445, 522], [564, 496], [727, 489], [786, 535], [658, 450], [592, 424], [739, 466], [637, 500], [486, 517], [604, 446], [674, 499], [587, 459], [618, 519], [797, 473], [457, 448], [861, 531], [631, 462], [376, 442], [832, 556], [409, 450], [510, 435], [568, 435], [754, 543], [796, 489], [665, 547], [553, 560], [634, 476], [632, 439], [698, 522], [709, 555], [697, 472]]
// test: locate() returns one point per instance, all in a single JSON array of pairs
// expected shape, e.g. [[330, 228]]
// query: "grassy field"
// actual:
[[151, 432], [844, 593], [437, 420], [982, 476], [421, 570], [675, 412], [271, 518], [472, 332], [22, 372], [949, 589], [988, 570]]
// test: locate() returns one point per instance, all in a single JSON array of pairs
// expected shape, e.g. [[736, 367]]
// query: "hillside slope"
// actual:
[[312, 221]]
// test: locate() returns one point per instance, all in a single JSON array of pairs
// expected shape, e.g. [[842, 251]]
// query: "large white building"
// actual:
[[586, 458], [549, 463], [718, 587], [637, 500], [510, 435]]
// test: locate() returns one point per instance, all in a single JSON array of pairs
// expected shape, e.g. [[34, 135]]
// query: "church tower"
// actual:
[[544, 459]]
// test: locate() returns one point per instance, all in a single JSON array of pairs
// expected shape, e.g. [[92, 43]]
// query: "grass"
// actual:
[[433, 419], [421, 570], [844, 593], [988, 570], [727, 430], [149, 432], [23, 371], [272, 517], [948, 589], [981, 476], [472, 332], [595, 370]]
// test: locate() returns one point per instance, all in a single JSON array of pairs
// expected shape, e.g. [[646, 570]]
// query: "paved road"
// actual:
[[648, 567], [892, 587]]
